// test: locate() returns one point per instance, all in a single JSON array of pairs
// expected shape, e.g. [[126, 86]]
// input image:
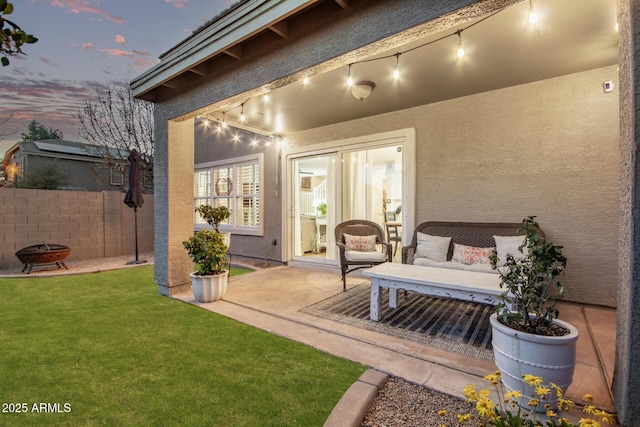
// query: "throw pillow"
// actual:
[[470, 254], [432, 247], [508, 245], [360, 243]]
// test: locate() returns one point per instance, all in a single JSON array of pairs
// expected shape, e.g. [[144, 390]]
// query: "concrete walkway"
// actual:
[[270, 299]]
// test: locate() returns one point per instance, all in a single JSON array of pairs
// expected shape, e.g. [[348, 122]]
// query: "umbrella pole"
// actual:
[[135, 221]]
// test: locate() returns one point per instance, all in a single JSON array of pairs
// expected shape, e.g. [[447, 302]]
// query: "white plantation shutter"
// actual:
[[236, 186]]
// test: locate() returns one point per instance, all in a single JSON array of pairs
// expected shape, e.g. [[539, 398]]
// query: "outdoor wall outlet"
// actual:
[[608, 86], [274, 242]]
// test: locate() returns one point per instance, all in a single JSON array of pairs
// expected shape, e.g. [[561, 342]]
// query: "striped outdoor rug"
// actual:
[[452, 325]]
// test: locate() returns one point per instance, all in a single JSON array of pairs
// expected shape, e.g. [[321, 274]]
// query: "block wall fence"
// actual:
[[92, 224]]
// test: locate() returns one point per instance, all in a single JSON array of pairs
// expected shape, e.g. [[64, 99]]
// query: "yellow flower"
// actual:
[[533, 402], [606, 417], [590, 409], [464, 418], [470, 393], [515, 394], [542, 390], [587, 398], [485, 407], [551, 414], [565, 404], [485, 392], [557, 389], [584, 422], [532, 380], [493, 378], [442, 413]]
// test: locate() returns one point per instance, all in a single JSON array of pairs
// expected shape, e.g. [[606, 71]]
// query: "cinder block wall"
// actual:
[[93, 225]]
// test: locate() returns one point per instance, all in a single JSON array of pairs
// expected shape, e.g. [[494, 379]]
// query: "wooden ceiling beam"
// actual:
[[234, 51], [343, 3], [280, 28]]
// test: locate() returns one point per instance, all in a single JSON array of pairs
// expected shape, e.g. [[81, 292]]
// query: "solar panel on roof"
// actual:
[[64, 149]]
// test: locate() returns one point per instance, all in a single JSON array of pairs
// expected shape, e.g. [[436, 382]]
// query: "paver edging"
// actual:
[[355, 403]]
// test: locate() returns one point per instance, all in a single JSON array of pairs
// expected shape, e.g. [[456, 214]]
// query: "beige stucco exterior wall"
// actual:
[[548, 149], [92, 224]]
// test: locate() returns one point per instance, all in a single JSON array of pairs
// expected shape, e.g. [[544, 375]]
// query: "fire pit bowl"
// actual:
[[43, 254]]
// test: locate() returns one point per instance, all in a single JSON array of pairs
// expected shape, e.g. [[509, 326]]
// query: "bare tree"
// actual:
[[3, 122], [117, 122]]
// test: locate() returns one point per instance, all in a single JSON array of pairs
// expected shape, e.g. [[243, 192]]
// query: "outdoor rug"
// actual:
[[457, 326]]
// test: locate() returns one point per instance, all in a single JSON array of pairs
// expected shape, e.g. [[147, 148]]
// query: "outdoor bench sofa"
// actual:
[[432, 267]]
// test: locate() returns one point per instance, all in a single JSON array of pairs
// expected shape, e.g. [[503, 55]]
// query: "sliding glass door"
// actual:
[[361, 183]]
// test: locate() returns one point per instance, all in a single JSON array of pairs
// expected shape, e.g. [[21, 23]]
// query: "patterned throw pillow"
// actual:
[[360, 243], [471, 255]]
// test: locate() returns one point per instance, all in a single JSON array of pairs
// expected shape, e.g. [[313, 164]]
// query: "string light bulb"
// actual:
[[266, 98], [533, 16], [349, 79], [396, 71], [305, 81], [243, 118], [460, 52], [224, 121]]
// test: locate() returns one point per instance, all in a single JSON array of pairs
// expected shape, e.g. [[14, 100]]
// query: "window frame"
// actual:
[[236, 197]]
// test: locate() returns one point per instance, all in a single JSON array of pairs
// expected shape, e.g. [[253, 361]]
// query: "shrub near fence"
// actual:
[[92, 224]]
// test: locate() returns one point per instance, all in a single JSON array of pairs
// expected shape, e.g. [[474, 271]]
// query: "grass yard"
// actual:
[[106, 349]]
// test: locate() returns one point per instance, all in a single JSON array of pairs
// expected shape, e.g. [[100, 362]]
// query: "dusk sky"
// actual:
[[84, 44]]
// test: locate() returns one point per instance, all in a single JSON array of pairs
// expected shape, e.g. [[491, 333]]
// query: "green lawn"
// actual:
[[109, 350]]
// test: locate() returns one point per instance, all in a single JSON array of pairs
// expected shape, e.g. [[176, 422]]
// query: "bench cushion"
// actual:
[[432, 247], [452, 265]]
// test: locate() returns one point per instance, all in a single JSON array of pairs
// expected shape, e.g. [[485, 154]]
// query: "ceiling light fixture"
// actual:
[[361, 90], [533, 16], [460, 53]]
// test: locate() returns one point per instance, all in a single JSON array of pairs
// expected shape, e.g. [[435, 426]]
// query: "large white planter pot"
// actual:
[[226, 238], [209, 288], [519, 353]]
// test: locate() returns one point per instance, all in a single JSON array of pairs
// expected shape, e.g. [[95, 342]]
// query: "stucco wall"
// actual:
[[548, 149], [93, 225], [209, 147]]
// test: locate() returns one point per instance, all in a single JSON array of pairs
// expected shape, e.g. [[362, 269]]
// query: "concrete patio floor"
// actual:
[[271, 299]]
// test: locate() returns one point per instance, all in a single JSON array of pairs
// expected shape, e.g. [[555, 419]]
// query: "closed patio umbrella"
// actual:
[[134, 198]]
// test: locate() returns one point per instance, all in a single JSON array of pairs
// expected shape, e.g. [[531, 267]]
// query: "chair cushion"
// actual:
[[470, 254], [360, 243], [432, 247], [481, 268], [360, 256], [508, 245]]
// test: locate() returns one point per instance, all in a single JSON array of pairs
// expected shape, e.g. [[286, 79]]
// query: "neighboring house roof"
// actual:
[[62, 149]]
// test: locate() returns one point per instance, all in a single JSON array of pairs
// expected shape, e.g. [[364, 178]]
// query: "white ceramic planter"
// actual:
[[226, 238], [519, 353], [209, 288]]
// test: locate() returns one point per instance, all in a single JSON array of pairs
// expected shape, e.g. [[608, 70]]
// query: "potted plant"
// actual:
[[207, 249], [527, 336], [214, 217], [322, 209]]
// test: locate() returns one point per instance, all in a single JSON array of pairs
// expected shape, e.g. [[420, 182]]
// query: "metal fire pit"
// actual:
[[43, 254]]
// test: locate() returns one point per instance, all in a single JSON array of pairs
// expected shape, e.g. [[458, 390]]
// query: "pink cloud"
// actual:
[[120, 39], [84, 6], [177, 3], [88, 46]]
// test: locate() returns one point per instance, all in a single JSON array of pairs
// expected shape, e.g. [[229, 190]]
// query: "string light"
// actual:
[[266, 98], [224, 121], [396, 72], [533, 16], [305, 81], [460, 53], [349, 79], [243, 118]]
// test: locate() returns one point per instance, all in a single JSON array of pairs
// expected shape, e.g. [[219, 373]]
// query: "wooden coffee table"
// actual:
[[442, 282]]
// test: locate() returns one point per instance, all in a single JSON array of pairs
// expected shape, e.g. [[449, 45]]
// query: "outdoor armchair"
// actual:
[[358, 241]]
